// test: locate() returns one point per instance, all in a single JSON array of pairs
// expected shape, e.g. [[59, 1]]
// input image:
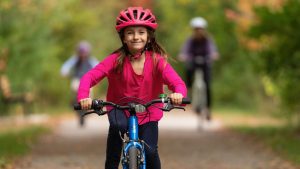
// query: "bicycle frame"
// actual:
[[133, 141], [132, 123]]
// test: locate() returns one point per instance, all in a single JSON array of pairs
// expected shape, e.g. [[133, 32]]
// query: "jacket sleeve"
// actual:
[[67, 66], [184, 52], [172, 79], [93, 61]]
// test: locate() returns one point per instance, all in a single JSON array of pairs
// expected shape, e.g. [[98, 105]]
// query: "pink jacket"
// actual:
[[146, 87]]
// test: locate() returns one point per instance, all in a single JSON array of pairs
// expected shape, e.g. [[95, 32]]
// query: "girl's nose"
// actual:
[[135, 35]]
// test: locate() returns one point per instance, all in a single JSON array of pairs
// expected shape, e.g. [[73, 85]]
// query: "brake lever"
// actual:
[[170, 107], [164, 109], [86, 113], [167, 107], [179, 107], [100, 112]]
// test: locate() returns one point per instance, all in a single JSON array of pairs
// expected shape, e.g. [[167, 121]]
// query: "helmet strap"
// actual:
[[137, 55]]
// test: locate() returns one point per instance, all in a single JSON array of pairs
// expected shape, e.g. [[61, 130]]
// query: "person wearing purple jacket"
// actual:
[[198, 52], [138, 69], [75, 67]]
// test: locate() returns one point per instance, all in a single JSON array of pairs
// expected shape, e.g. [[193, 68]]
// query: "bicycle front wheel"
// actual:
[[133, 158]]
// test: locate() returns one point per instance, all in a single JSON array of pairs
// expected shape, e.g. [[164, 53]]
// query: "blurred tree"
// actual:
[[24, 33], [40, 35], [277, 29], [142, 3]]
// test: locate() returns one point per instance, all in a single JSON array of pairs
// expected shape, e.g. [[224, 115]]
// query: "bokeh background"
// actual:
[[257, 74]]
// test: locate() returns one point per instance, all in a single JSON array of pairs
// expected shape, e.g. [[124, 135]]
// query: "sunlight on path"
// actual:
[[94, 125], [186, 120]]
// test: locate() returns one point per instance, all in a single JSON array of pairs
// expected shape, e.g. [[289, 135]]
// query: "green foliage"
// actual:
[[15, 143], [279, 59], [26, 32], [41, 35]]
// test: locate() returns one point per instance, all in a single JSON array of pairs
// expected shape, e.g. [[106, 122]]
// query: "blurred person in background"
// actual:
[[198, 52], [75, 67]]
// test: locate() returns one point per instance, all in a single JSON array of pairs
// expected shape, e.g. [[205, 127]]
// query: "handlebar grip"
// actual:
[[95, 105], [186, 101], [77, 106]]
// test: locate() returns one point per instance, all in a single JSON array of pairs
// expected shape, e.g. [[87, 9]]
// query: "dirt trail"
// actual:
[[181, 146]]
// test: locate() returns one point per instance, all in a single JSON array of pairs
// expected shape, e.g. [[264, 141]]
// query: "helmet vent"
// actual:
[[142, 14], [128, 15], [135, 14], [120, 19], [147, 17]]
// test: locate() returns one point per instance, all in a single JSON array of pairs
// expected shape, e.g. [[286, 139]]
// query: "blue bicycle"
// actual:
[[133, 155]]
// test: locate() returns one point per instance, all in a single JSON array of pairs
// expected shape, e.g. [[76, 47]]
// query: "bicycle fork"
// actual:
[[133, 142]]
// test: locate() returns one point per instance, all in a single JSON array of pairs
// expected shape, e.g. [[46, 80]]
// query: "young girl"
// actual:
[[138, 69]]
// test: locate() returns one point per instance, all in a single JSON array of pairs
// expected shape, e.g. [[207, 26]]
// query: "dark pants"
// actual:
[[147, 132], [207, 78]]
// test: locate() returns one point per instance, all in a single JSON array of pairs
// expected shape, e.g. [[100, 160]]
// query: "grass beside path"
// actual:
[[272, 131], [14, 143]]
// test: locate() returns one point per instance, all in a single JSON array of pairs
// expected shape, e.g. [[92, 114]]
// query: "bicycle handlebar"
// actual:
[[99, 104]]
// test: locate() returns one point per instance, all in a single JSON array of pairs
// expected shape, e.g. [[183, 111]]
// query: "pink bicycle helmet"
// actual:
[[134, 16]]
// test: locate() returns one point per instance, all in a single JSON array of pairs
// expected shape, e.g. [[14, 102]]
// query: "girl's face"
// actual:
[[135, 37]]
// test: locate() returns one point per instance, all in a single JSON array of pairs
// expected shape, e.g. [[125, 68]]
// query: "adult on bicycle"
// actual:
[[75, 67], [198, 52], [138, 69]]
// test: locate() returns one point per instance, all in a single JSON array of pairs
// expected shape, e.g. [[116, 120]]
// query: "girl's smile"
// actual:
[[135, 37]]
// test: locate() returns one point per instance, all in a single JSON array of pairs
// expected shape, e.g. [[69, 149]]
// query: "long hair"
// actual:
[[152, 45]]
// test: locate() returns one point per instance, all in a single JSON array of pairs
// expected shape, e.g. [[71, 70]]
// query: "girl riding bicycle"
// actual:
[[138, 69]]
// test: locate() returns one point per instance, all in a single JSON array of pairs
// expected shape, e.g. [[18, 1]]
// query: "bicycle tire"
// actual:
[[199, 92], [133, 158]]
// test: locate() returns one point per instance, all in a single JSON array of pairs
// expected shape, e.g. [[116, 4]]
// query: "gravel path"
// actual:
[[181, 146]]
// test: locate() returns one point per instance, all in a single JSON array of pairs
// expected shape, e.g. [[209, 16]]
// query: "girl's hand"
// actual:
[[86, 103], [176, 98]]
